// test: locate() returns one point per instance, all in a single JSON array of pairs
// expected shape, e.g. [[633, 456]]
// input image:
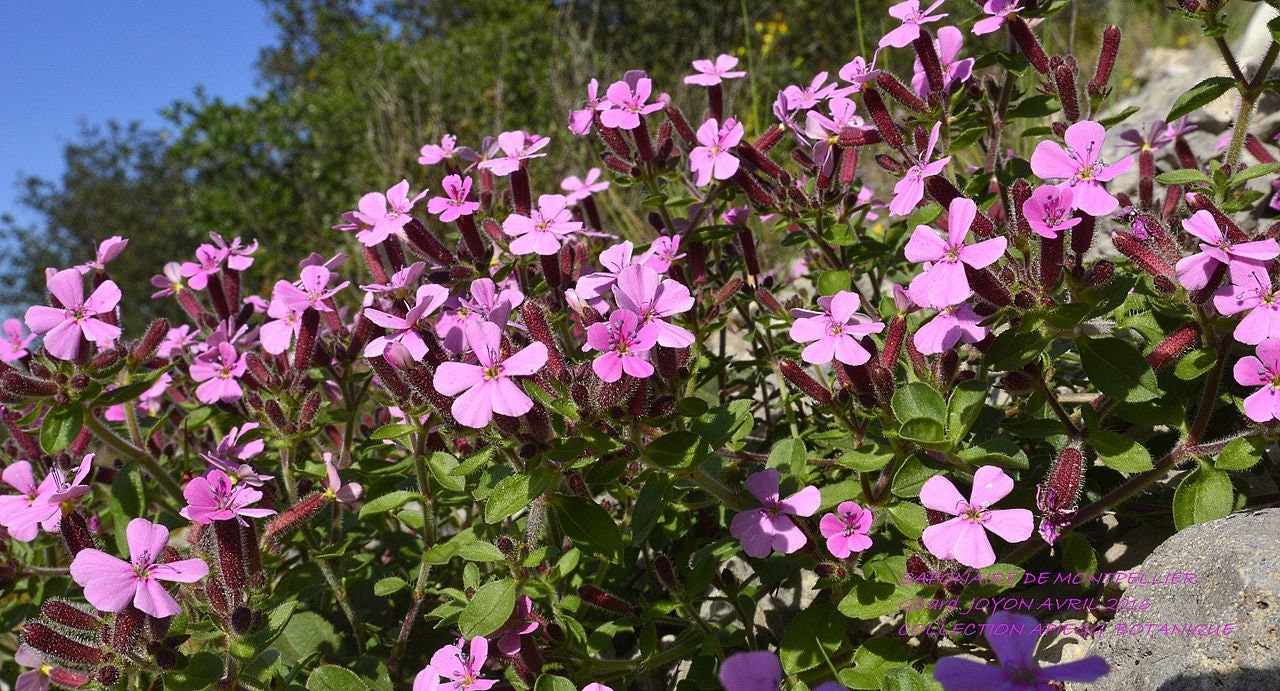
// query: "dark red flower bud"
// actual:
[[666, 572], [986, 286], [769, 302], [283, 524], [800, 379], [1051, 251], [1100, 273], [374, 263], [1186, 158], [60, 647], [1065, 77], [1142, 255], [760, 160], [1028, 44], [1174, 346], [678, 120], [900, 93], [395, 253], [126, 627], [306, 344], [884, 123], [20, 386], [604, 600], [770, 137], [70, 616], [1106, 60], [241, 620], [1057, 496], [146, 347], [883, 383], [427, 243], [230, 557], [535, 320], [715, 101], [1146, 176], [471, 237], [803, 160], [894, 334], [107, 676], [753, 188], [618, 165], [389, 377], [521, 194], [613, 139], [927, 53], [890, 164], [75, 533], [827, 569], [218, 296]]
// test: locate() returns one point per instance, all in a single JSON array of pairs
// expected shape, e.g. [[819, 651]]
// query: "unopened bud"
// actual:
[[1179, 342], [60, 647], [884, 123], [1028, 44], [75, 533], [70, 616], [1106, 60], [800, 379], [666, 572], [126, 628], [429, 244], [900, 92], [146, 347], [284, 524], [827, 569], [604, 600], [1142, 255], [1057, 496], [927, 53], [21, 386]]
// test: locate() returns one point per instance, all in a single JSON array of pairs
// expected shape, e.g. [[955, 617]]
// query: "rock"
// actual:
[[1237, 564]]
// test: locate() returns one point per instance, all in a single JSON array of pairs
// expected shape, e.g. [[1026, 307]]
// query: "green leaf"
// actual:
[[1183, 176], [649, 506], [873, 599], [963, 409], [1205, 494], [128, 501], [389, 585], [1002, 453], [789, 456], [918, 399], [202, 671], [1119, 452], [387, 502], [590, 527], [515, 492], [551, 682], [1077, 554], [392, 431], [474, 462], [909, 518], [480, 551], [60, 427], [442, 466], [488, 609], [1039, 106], [1200, 95], [926, 432], [679, 449], [907, 679], [1013, 349], [1195, 364], [1118, 370], [1109, 122], [833, 281], [872, 454], [277, 618], [909, 478], [124, 393], [1241, 454], [812, 637], [1253, 172], [306, 634], [872, 662], [335, 678]]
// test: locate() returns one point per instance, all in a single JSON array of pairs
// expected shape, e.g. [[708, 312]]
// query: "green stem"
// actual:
[[130, 452]]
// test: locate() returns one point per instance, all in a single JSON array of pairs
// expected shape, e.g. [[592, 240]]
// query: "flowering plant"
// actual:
[[512, 441]]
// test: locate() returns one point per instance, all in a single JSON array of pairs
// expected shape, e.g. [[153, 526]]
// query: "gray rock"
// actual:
[[1237, 564]]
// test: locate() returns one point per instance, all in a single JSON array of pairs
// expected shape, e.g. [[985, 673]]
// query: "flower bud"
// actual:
[[75, 533], [1100, 274], [1057, 496], [676, 117], [283, 524], [900, 92], [389, 378], [890, 164], [755, 191], [1028, 43], [146, 347], [1051, 250], [848, 166], [305, 347], [241, 620], [770, 137], [762, 162], [613, 139], [927, 53], [604, 600], [884, 123], [423, 240], [218, 296], [1065, 78], [70, 616], [1106, 60], [22, 387], [107, 676], [800, 379], [1178, 343], [230, 562], [851, 137], [126, 627], [1142, 255], [988, 287], [521, 195], [60, 647], [827, 569]]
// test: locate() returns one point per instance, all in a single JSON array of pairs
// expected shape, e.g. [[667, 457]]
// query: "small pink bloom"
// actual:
[[964, 538], [401, 283], [179, 339], [217, 497], [348, 493], [908, 191], [712, 73], [487, 388], [1013, 638], [769, 528], [454, 205], [107, 250], [944, 283], [1080, 164], [404, 330], [805, 97], [239, 255], [834, 333], [208, 262], [711, 158], [662, 253], [1048, 211], [613, 260], [624, 103], [461, 671], [147, 403], [909, 13], [233, 453], [170, 282], [998, 11], [641, 290], [521, 623], [385, 214], [581, 121], [1195, 271], [1262, 370], [581, 188], [952, 324], [858, 72], [431, 154], [517, 146], [1252, 292], [219, 369], [544, 229], [111, 584], [42, 673], [63, 327], [16, 341], [486, 303], [846, 529], [311, 291], [427, 680], [624, 346]]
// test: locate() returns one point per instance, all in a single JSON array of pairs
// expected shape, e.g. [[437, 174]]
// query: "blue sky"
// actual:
[[124, 59]]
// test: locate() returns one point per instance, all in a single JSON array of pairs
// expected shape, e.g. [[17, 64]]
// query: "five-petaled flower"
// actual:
[[217, 496], [14, 345], [581, 188], [909, 13], [1195, 271], [711, 159], [964, 538], [625, 102], [944, 283], [405, 330], [835, 331], [1048, 211], [1080, 164], [517, 146], [952, 324], [385, 214], [1262, 370], [908, 191], [544, 229], [111, 584], [63, 327], [487, 388], [219, 369], [623, 344], [461, 670], [770, 528], [711, 73], [1013, 638], [1251, 291], [998, 12], [641, 290], [454, 204], [846, 529]]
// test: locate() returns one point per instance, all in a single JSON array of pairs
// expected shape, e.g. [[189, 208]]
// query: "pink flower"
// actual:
[[487, 303], [404, 330], [825, 131], [111, 584], [39, 505], [662, 253], [835, 331], [217, 497], [543, 230], [233, 453], [401, 283], [954, 72], [461, 671], [581, 188], [312, 291], [594, 686], [1048, 211], [180, 338], [944, 283], [63, 327], [1251, 291], [624, 346], [641, 290], [1081, 165], [239, 256], [107, 250], [712, 73], [624, 104], [1262, 370], [909, 13], [517, 146], [770, 527], [521, 623], [15, 347], [953, 324], [386, 214], [348, 493], [803, 98], [1013, 638], [208, 262], [427, 680], [42, 673], [1195, 271], [487, 388], [999, 11], [711, 159], [613, 260], [964, 538], [846, 529], [277, 334], [908, 191], [454, 205], [857, 72], [431, 154], [580, 121], [170, 282], [219, 369]]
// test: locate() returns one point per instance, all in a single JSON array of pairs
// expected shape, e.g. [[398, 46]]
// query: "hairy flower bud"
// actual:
[[1051, 251], [755, 191], [1068, 95], [770, 137], [146, 347], [306, 344], [988, 287], [800, 379], [71, 616], [107, 676], [427, 243], [75, 533], [21, 387], [681, 124], [613, 139], [927, 52], [1142, 255], [828, 569], [285, 523], [230, 557], [666, 572], [521, 193], [762, 162], [900, 92], [1028, 43], [60, 647], [884, 123], [389, 378], [1057, 496], [604, 600], [126, 628], [1174, 346], [1106, 60]]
